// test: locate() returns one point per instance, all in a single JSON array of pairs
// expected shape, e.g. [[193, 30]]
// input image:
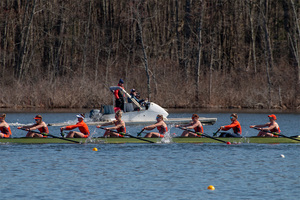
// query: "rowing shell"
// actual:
[[260, 140]]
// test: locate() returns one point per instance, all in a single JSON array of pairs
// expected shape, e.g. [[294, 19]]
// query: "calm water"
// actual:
[[151, 171]]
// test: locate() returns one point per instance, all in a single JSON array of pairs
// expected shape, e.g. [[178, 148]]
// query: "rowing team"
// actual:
[[193, 129]]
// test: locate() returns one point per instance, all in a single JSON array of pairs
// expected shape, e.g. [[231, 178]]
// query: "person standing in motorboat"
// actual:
[[160, 125], [119, 126], [39, 125], [119, 103], [235, 126], [5, 131], [272, 127], [195, 124], [81, 125]]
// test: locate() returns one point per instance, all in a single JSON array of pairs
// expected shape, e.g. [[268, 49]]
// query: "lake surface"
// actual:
[[151, 171]]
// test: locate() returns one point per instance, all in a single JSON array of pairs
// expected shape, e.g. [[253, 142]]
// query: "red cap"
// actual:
[[272, 116], [38, 117]]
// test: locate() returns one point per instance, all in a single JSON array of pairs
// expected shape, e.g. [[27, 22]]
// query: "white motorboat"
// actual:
[[135, 113]]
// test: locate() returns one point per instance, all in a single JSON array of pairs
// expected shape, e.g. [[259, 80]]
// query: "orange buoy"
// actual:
[[211, 187], [95, 149]]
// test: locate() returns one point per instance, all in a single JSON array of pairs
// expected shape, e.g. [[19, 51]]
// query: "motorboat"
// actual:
[[136, 113], [132, 112]]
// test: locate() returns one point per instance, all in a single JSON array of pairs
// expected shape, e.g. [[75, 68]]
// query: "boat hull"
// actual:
[[259, 140], [139, 115]]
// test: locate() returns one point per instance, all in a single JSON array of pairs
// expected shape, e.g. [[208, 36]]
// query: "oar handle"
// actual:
[[126, 134], [25, 129], [267, 131], [113, 131], [206, 136], [62, 133], [198, 133], [259, 129], [139, 134], [215, 133]]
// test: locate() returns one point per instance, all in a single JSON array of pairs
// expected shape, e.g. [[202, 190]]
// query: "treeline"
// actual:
[[178, 53]]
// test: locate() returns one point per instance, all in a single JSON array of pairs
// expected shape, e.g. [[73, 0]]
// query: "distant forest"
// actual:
[[177, 53]]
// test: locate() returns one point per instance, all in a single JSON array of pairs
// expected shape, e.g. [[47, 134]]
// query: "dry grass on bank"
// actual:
[[242, 90]]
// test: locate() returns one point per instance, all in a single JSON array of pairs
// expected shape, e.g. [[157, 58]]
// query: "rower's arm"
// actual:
[[115, 127], [106, 124], [36, 127], [29, 126], [194, 125], [153, 126], [183, 125], [260, 126], [227, 127]]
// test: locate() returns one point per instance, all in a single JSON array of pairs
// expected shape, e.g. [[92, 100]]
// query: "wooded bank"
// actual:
[[178, 53]]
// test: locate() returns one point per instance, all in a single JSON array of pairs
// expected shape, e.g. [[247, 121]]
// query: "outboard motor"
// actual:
[[95, 115]]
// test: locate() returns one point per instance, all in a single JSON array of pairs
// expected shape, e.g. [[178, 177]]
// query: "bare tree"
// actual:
[[296, 41], [251, 8], [187, 35], [87, 33], [138, 19], [211, 71], [267, 50], [198, 62], [24, 37]]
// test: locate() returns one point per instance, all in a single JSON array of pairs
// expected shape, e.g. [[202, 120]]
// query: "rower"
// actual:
[[39, 125], [81, 125], [272, 127], [235, 126], [195, 124], [119, 126], [160, 125], [5, 131]]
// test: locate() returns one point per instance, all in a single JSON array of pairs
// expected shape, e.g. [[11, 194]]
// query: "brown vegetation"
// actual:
[[178, 53]]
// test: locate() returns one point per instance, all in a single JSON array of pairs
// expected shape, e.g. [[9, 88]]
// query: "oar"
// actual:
[[126, 134], [279, 134], [46, 134], [205, 135], [215, 133], [62, 134], [139, 134]]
